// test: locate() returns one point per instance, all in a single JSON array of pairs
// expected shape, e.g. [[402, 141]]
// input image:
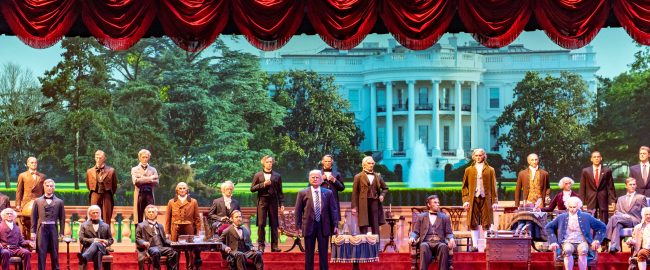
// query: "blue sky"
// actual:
[[614, 49]]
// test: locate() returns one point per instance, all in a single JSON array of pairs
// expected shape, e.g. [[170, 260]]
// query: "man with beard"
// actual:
[[432, 232]]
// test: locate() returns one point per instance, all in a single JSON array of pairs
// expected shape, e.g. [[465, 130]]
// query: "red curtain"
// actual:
[[494, 23], [571, 23], [193, 25], [634, 16], [417, 24], [343, 24]]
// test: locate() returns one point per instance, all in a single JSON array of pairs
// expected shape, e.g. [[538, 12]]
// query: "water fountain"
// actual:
[[420, 172]]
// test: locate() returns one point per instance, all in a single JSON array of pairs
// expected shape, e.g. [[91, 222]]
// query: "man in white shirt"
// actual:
[[95, 236], [641, 239], [222, 207], [12, 241], [628, 214], [640, 172]]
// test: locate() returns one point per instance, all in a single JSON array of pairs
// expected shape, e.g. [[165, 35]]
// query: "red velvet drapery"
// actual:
[[343, 24]]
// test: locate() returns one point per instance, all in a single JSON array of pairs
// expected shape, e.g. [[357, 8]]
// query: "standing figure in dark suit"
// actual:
[[479, 191], [640, 172], [183, 219], [29, 187], [332, 179], [562, 196], [12, 241], [145, 179], [238, 247], [535, 184], [268, 185], [151, 241], [101, 181], [95, 236], [368, 192], [628, 214], [432, 232], [219, 214], [597, 187], [47, 214], [317, 215]]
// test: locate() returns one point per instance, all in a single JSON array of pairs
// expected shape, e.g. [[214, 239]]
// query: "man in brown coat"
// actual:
[[183, 219], [535, 177], [30, 187], [479, 193], [101, 181], [368, 192]]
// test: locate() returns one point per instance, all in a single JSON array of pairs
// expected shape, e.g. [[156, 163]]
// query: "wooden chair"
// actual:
[[287, 226], [148, 263], [107, 260], [17, 262], [559, 262]]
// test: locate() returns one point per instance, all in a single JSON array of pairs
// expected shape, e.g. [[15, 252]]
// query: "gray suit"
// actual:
[[45, 218], [433, 239], [91, 250], [626, 216]]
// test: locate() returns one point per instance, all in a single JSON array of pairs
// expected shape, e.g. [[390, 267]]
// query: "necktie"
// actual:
[[645, 172], [596, 177], [317, 209], [629, 200]]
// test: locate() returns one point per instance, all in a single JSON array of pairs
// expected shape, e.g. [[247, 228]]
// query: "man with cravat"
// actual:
[[95, 236], [627, 214], [151, 241], [317, 216], [219, 214], [101, 181], [479, 193], [183, 219], [268, 185], [48, 213], [237, 246], [12, 241], [597, 187], [332, 179], [368, 192], [432, 232], [640, 172], [145, 178], [29, 187]]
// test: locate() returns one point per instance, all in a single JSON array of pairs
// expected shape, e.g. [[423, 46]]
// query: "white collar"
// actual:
[[314, 189], [182, 198], [533, 169], [10, 224], [631, 194]]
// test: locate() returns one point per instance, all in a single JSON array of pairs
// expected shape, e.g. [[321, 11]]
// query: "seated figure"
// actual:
[[627, 214], [432, 232], [576, 232], [641, 240], [12, 241], [558, 201], [238, 247], [95, 236], [152, 243]]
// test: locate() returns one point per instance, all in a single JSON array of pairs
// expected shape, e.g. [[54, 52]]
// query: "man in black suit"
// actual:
[[151, 241], [332, 179], [95, 236], [317, 216], [47, 213], [238, 247], [268, 185], [222, 207], [432, 232], [597, 187], [640, 172]]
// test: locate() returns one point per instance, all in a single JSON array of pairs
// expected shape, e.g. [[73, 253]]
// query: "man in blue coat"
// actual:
[[573, 231]]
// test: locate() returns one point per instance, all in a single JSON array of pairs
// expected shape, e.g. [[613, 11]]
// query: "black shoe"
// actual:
[[276, 250], [612, 250], [473, 249]]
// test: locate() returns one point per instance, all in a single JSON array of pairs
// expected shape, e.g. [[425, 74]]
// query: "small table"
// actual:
[[189, 246], [391, 222], [508, 249], [68, 240], [355, 249]]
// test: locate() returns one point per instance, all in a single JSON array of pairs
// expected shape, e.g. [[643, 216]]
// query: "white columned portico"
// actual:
[[435, 119], [389, 118], [411, 115], [474, 116], [373, 116], [458, 119]]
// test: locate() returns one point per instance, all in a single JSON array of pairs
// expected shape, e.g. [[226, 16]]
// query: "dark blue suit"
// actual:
[[642, 186], [556, 230], [47, 235], [314, 230]]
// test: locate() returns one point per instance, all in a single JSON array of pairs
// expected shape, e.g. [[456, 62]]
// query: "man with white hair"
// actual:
[[183, 219], [12, 241], [222, 207], [368, 192], [145, 179], [641, 239], [534, 183], [565, 192], [480, 198], [95, 236], [576, 232]]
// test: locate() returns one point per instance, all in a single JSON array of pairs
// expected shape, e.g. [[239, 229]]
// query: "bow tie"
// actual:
[[144, 167], [48, 198], [33, 173], [327, 170], [433, 213], [94, 221]]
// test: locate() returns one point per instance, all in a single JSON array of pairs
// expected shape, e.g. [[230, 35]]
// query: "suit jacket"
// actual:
[[637, 237], [11, 236], [360, 188], [306, 215], [558, 201], [489, 187], [182, 213], [524, 181], [334, 187], [27, 189], [108, 175], [87, 234], [144, 233], [603, 194], [442, 227], [231, 238], [274, 190], [138, 177], [556, 229], [642, 187], [632, 210], [219, 209], [42, 211]]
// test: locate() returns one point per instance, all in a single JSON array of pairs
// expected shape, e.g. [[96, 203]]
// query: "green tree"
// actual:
[[549, 117], [318, 122]]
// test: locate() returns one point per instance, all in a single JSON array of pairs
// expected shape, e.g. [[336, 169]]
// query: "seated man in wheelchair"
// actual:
[[573, 230], [432, 233], [641, 239]]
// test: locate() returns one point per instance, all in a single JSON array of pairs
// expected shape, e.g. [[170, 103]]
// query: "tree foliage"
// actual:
[[549, 116]]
